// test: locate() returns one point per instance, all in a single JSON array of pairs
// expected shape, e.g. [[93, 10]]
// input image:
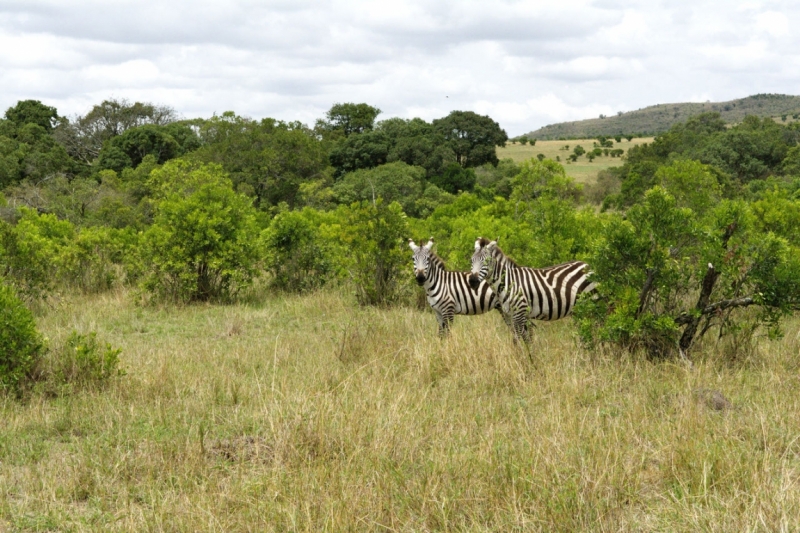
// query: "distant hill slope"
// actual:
[[659, 118]]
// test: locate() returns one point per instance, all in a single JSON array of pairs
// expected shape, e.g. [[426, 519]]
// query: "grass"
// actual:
[[308, 413], [583, 171]]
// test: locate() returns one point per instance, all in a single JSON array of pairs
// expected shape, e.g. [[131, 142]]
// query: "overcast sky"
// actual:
[[524, 63]]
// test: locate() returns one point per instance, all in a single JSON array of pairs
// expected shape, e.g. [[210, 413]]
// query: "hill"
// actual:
[[660, 117]]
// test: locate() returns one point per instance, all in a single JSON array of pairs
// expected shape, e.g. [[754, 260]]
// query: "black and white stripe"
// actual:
[[449, 293], [528, 293]]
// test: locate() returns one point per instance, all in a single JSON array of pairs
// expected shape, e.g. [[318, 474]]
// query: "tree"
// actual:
[[32, 112], [415, 142], [29, 151], [363, 151], [129, 149], [349, 118], [203, 242], [543, 178], [266, 159], [83, 136], [455, 179], [472, 137], [394, 182], [296, 255]]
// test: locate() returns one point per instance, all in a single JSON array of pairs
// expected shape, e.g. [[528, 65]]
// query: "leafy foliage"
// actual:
[[349, 118], [21, 346], [203, 242], [297, 256], [653, 264], [375, 237], [268, 159], [393, 182], [472, 137]]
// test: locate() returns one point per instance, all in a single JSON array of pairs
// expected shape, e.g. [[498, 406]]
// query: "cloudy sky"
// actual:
[[525, 63]]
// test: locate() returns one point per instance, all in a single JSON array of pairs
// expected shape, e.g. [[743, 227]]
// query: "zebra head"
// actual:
[[481, 261], [422, 260]]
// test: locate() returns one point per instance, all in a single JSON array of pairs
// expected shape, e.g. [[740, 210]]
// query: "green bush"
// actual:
[[667, 274], [203, 243], [376, 235], [21, 346], [296, 255], [28, 251]]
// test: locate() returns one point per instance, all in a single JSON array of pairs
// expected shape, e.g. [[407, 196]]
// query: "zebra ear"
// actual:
[[412, 245], [492, 244], [430, 244], [478, 244]]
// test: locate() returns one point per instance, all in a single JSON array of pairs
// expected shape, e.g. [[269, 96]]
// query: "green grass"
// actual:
[[309, 413], [583, 170]]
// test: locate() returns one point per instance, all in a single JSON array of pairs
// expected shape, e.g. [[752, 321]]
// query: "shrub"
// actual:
[[455, 179], [376, 235], [21, 345], [203, 242], [667, 274], [296, 255]]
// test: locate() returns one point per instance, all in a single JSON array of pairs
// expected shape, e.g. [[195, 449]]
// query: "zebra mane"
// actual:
[[497, 251], [436, 261]]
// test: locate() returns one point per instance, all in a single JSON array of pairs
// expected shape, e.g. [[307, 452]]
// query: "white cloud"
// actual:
[[774, 23], [526, 63]]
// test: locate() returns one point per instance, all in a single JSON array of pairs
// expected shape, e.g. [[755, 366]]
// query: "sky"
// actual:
[[524, 63]]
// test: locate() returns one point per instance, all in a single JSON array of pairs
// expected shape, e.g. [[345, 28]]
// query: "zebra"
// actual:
[[449, 293], [528, 293]]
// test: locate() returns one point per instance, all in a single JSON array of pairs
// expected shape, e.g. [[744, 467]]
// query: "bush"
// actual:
[[296, 255], [21, 345], [376, 235], [667, 274], [455, 179], [203, 242]]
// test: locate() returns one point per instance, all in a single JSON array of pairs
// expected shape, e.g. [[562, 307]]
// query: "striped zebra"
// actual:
[[449, 293], [528, 293]]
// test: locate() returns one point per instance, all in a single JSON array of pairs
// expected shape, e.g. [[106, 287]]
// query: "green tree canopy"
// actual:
[[83, 136], [203, 242], [394, 182], [267, 159], [32, 112], [472, 137], [350, 118]]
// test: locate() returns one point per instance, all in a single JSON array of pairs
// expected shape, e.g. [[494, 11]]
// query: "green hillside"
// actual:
[[660, 117]]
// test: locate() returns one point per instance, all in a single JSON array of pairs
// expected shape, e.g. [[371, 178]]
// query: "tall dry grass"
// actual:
[[311, 414]]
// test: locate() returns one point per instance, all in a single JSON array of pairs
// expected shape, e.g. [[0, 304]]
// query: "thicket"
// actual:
[[195, 210]]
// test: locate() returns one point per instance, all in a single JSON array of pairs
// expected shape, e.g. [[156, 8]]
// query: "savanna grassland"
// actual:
[[310, 413], [583, 170]]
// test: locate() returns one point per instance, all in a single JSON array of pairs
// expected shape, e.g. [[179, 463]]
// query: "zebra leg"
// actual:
[[446, 321], [520, 322]]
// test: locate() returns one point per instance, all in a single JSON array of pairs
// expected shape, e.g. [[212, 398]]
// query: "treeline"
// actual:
[[696, 232]]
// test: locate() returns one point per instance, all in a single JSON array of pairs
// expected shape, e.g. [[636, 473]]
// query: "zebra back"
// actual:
[[547, 293]]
